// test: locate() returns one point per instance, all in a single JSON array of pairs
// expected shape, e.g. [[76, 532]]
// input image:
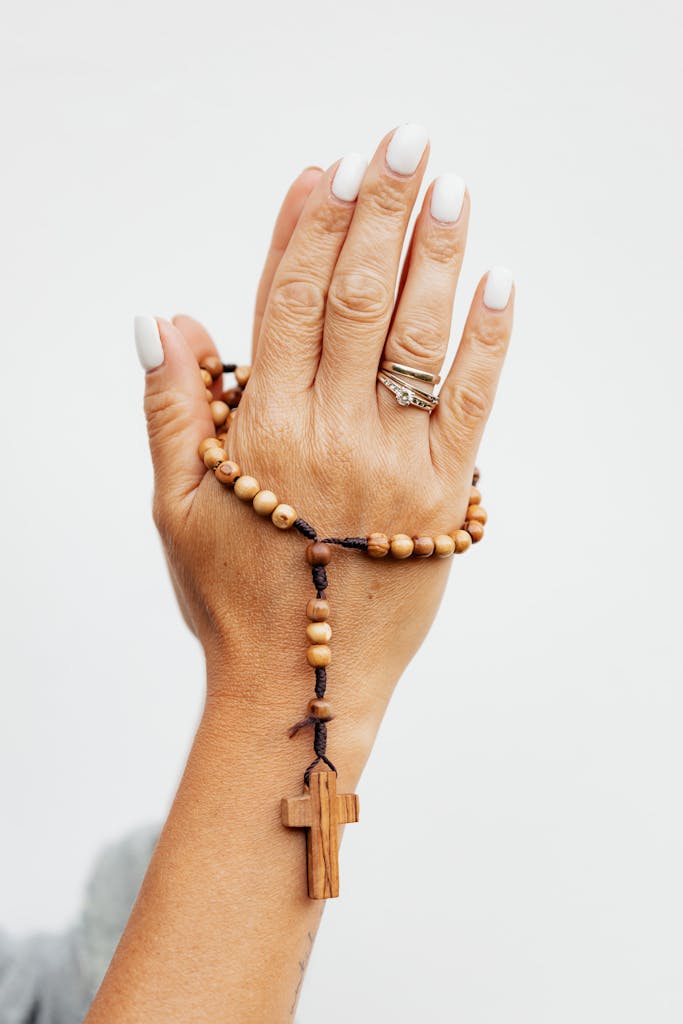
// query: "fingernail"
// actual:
[[148, 342], [497, 288], [349, 177], [406, 147], [448, 195]]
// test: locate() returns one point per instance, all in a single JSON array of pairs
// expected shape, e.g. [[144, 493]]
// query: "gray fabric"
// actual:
[[52, 979]]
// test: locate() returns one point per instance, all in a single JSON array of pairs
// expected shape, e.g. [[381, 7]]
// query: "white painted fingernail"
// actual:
[[448, 196], [406, 147], [497, 288], [349, 177], [148, 342]]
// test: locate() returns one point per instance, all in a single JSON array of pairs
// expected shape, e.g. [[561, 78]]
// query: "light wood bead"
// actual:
[[476, 514], [475, 530], [378, 545], [265, 503], [209, 395], [423, 546], [444, 545], [214, 456], [247, 487], [475, 496], [401, 545], [228, 472], [318, 553], [283, 516], [208, 442], [212, 365], [242, 375], [319, 632], [207, 378], [232, 397], [320, 709], [318, 609], [219, 412], [319, 655], [462, 541]]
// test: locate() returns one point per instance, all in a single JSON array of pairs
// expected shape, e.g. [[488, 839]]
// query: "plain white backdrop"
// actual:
[[146, 147]]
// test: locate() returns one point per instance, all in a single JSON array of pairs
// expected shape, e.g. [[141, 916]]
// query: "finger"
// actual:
[[467, 395], [201, 343], [178, 415], [361, 294], [291, 331], [287, 218], [421, 325]]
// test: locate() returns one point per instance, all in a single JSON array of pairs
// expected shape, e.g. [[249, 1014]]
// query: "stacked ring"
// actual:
[[405, 393]]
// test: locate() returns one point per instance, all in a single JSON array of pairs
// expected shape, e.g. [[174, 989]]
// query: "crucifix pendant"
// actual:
[[321, 811]]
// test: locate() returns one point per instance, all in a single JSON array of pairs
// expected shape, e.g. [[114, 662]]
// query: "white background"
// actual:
[[537, 737]]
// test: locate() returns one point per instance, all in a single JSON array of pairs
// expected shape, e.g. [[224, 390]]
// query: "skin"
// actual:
[[223, 928]]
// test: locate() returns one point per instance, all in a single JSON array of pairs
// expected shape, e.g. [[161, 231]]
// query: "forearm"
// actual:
[[223, 923]]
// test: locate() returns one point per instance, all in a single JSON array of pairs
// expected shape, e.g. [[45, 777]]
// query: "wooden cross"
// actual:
[[321, 811]]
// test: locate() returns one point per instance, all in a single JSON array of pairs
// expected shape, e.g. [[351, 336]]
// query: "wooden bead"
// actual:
[[423, 546], [207, 378], [242, 374], [318, 609], [476, 514], [212, 365], [462, 541], [378, 545], [319, 632], [246, 488], [444, 545], [401, 545], [232, 397], [320, 709], [209, 395], [219, 412], [475, 530], [318, 553], [213, 457], [264, 502], [208, 442], [475, 496], [319, 655], [228, 472], [283, 516]]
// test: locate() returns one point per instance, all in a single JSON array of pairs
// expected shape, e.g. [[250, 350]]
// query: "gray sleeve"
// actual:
[[52, 979]]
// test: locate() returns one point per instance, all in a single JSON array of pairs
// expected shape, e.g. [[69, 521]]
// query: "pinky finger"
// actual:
[[468, 393]]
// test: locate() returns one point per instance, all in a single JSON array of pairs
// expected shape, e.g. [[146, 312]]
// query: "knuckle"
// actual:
[[420, 344], [387, 197], [442, 248], [469, 404], [359, 297], [297, 299], [490, 336]]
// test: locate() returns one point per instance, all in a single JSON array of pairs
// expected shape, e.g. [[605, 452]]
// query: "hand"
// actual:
[[315, 427]]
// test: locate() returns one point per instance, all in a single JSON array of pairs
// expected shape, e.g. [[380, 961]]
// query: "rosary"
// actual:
[[321, 810]]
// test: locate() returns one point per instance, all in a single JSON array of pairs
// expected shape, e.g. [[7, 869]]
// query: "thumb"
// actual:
[[178, 414]]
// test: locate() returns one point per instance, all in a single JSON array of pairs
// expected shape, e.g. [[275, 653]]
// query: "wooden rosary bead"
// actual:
[[228, 472], [476, 514], [444, 545], [318, 553], [264, 503], [209, 395], [319, 655], [423, 546], [318, 609], [208, 442], [232, 397], [214, 457], [320, 709], [247, 487], [475, 496], [319, 632], [242, 374], [207, 378], [475, 530], [462, 541], [212, 365], [401, 545], [283, 516], [378, 545], [219, 412]]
